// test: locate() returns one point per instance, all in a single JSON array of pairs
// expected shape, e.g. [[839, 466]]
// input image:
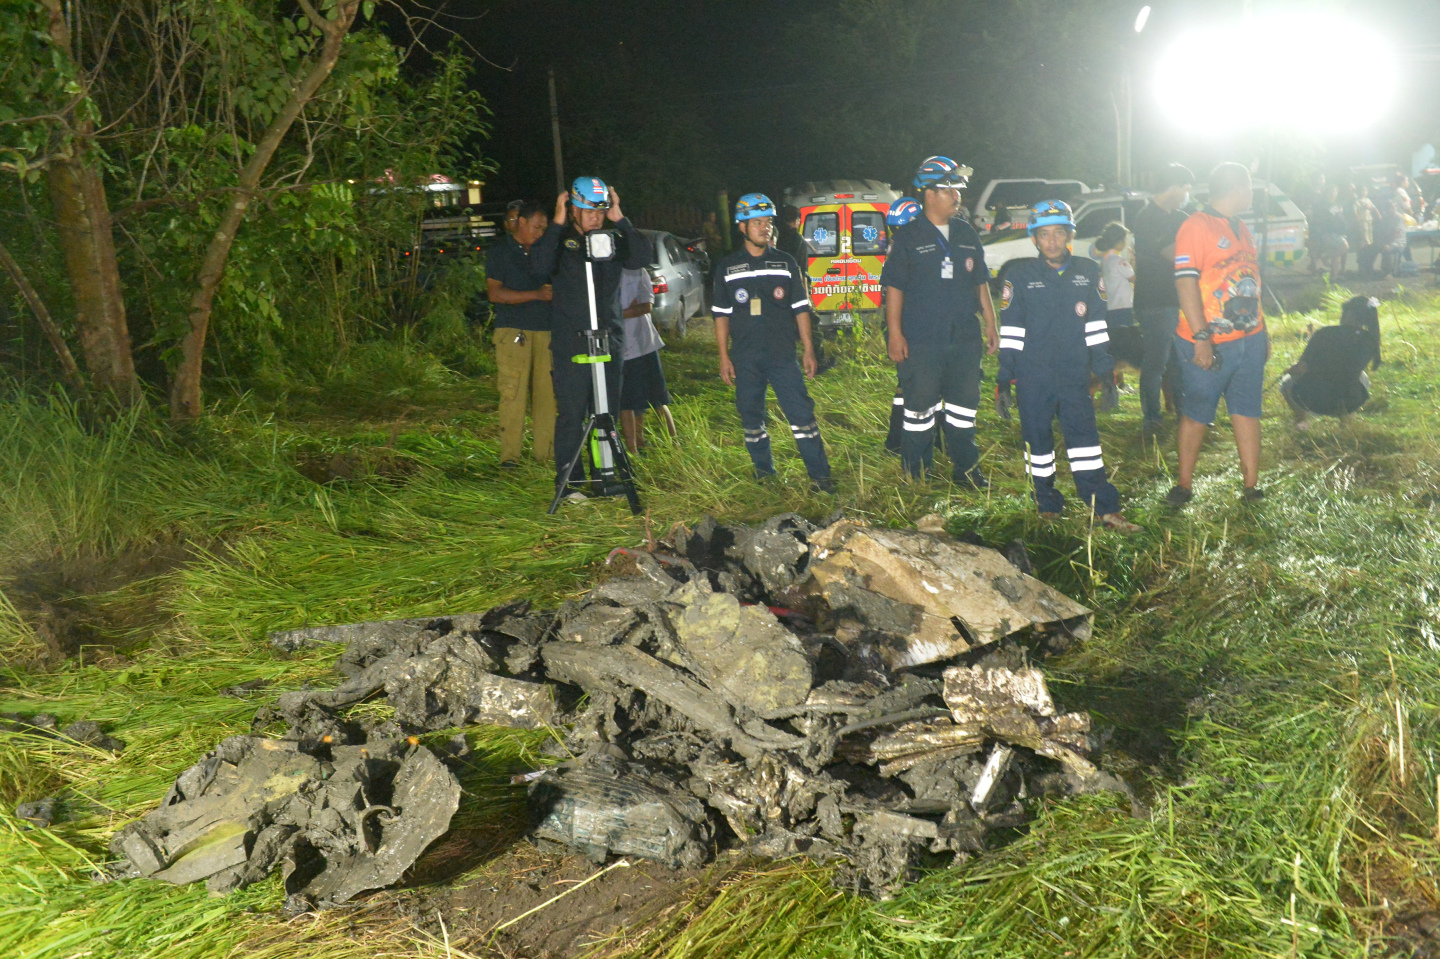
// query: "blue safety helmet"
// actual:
[[589, 193], [1051, 213], [902, 211], [940, 173], [753, 205]]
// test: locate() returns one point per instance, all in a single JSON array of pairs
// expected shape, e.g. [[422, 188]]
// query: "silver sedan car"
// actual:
[[678, 281]]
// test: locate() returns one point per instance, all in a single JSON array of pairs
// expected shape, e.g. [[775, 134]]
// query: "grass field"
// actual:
[[1270, 671]]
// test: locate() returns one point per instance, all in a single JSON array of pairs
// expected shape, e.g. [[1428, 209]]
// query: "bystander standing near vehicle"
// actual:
[[643, 386], [1157, 304], [1360, 217], [1327, 244], [936, 286], [791, 241], [521, 301], [1221, 336], [588, 206]]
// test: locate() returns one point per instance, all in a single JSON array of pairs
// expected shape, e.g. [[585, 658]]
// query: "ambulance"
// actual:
[[843, 224]]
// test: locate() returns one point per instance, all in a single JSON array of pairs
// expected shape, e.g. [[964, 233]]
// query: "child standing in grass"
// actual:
[[1118, 274]]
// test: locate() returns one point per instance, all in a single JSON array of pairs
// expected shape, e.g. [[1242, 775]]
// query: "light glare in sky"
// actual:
[[1295, 73]]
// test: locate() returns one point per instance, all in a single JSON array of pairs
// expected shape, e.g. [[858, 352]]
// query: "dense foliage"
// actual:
[[177, 95]]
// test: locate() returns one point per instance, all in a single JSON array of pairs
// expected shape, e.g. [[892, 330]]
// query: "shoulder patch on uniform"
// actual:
[[1100, 288], [1081, 309], [1007, 295], [572, 244], [742, 295]]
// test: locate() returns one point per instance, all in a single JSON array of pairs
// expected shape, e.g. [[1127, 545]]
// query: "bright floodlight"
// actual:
[[1293, 73], [1141, 18]]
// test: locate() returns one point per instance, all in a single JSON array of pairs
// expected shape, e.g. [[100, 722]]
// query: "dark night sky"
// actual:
[[724, 60]]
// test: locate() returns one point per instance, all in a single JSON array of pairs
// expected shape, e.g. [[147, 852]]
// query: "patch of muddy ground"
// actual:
[[96, 607], [526, 877]]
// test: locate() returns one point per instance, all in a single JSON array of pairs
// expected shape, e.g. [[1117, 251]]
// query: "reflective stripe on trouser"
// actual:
[[783, 375], [574, 395], [1040, 405], [522, 370], [941, 384]]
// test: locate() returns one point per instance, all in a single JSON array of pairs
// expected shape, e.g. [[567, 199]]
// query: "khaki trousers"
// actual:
[[524, 371]]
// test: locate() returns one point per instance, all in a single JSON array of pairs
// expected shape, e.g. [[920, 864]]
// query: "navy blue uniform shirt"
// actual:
[[774, 281], [509, 263], [937, 311], [1052, 323]]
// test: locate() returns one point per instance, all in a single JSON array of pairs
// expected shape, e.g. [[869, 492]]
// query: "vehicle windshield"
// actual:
[[1027, 193], [822, 233], [867, 232]]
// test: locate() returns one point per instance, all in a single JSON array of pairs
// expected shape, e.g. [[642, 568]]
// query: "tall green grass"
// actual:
[[1280, 647]]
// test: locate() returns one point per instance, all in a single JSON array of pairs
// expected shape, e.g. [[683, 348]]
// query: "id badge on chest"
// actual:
[[754, 306], [947, 269]]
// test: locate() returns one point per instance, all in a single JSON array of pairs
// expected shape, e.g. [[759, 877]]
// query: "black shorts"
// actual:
[[643, 384]]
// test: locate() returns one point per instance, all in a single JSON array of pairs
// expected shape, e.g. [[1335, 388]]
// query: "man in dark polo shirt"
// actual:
[[521, 300], [1157, 306], [936, 283]]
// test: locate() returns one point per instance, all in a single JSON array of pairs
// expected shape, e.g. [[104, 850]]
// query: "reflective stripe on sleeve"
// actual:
[[745, 275], [1095, 339]]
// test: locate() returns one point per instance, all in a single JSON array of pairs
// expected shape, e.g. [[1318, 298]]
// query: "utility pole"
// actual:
[[555, 135]]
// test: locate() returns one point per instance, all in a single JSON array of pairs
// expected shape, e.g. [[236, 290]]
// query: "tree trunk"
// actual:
[[185, 401], [82, 218], [82, 215], [42, 316]]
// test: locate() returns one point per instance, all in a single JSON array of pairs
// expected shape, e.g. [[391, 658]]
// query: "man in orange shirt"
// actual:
[[1221, 336]]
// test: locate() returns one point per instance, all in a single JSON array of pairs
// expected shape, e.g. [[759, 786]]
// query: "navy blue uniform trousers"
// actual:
[[1040, 405], [941, 383], [781, 373]]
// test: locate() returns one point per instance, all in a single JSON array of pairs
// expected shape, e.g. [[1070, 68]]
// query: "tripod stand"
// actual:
[[607, 451]]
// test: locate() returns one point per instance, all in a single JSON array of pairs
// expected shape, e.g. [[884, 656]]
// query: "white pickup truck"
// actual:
[[1093, 209]]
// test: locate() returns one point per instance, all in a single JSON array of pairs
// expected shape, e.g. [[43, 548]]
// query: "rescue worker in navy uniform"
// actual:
[[761, 307], [901, 212], [1052, 338], [935, 282], [560, 254]]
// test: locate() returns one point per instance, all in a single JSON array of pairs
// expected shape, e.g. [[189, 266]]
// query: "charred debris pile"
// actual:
[[844, 692]]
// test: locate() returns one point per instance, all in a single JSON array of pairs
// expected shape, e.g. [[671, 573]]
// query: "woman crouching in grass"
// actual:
[[1329, 378]]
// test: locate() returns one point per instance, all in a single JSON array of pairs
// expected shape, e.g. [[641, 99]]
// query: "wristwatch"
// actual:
[[1202, 335]]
